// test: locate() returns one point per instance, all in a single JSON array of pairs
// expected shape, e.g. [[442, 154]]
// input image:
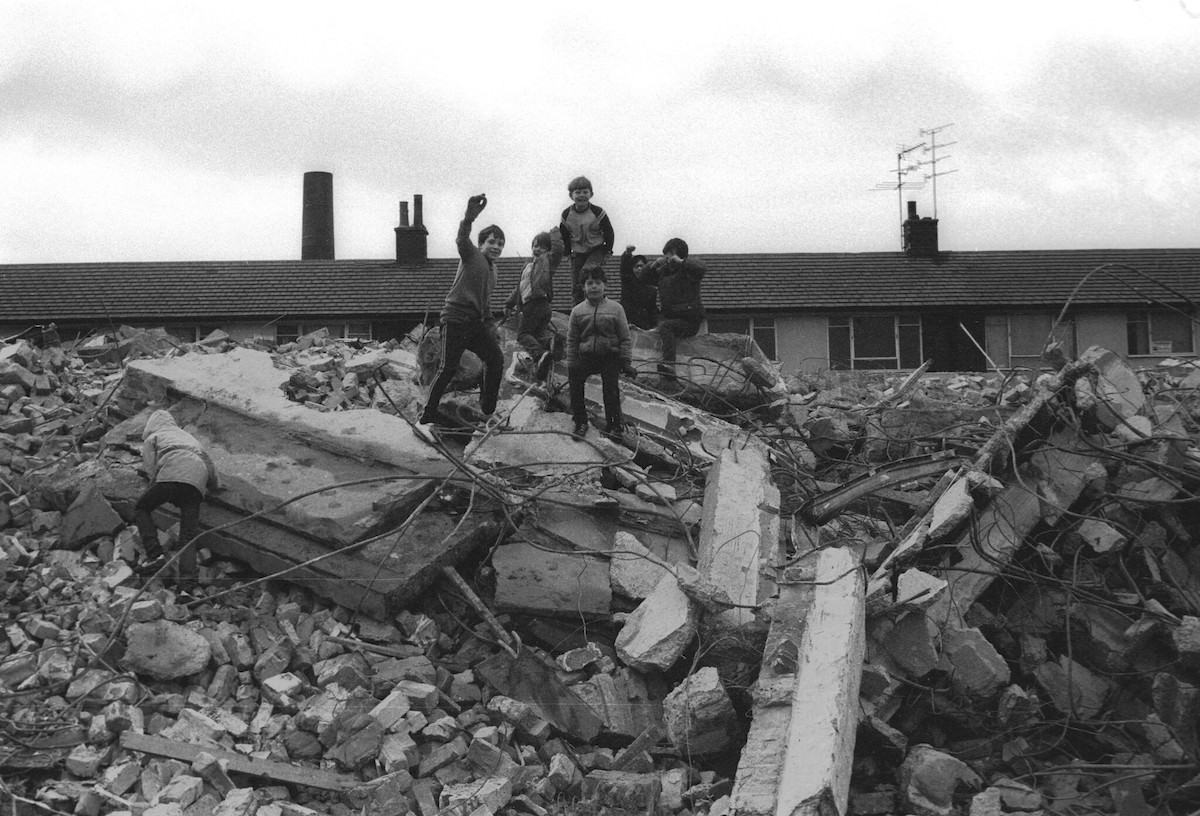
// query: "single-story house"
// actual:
[[811, 311]]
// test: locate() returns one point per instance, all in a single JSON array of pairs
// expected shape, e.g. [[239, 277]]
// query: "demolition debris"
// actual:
[[858, 593]]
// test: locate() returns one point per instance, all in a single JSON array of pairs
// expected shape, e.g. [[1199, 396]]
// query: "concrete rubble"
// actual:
[[860, 593]]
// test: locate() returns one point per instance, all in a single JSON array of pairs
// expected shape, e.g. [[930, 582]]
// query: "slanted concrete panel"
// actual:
[[739, 533]]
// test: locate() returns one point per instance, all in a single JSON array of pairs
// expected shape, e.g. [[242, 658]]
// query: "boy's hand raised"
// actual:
[[475, 205]]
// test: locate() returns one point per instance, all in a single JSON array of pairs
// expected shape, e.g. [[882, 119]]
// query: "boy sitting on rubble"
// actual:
[[180, 473], [598, 342], [533, 295], [678, 279]]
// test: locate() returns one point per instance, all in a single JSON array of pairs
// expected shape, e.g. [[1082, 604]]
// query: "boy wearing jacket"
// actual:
[[598, 342], [678, 279], [587, 234], [533, 296]]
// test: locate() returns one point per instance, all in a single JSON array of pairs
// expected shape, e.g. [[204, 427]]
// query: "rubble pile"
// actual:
[[973, 594]]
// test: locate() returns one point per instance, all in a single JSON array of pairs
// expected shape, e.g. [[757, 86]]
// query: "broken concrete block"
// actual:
[[929, 780], [492, 792], [633, 570], [656, 634], [390, 711], [622, 790], [917, 589], [165, 650], [1118, 391], [1186, 639], [1072, 688], [533, 579], [350, 671], [89, 517], [910, 642], [182, 790], [1101, 536], [976, 669], [699, 715], [952, 508], [284, 691]]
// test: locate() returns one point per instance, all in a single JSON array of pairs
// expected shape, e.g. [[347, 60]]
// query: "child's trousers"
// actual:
[[608, 366]]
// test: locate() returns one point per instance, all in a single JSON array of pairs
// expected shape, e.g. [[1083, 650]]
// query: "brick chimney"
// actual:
[[316, 235], [920, 234], [412, 242]]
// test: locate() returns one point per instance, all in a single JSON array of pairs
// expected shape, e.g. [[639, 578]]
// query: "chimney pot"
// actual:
[[412, 242], [920, 234]]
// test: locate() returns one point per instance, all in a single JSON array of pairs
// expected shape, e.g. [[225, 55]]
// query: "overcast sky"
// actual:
[[182, 130]]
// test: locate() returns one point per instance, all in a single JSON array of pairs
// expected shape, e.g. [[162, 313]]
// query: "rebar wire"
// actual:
[[1107, 268]]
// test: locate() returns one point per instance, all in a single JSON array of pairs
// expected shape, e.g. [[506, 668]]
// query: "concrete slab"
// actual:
[[246, 382]]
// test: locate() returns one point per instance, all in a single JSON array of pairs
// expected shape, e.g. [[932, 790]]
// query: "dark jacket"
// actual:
[[640, 299], [469, 295], [678, 286]]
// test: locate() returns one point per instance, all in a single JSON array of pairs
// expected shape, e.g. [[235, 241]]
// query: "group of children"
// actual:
[[663, 294]]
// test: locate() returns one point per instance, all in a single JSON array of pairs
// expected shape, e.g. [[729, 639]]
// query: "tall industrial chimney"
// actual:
[[316, 238]]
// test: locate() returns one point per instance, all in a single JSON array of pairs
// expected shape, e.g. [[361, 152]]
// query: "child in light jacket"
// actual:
[[598, 342], [181, 473]]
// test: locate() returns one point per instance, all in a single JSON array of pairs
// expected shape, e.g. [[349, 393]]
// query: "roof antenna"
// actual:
[[933, 159], [901, 185]]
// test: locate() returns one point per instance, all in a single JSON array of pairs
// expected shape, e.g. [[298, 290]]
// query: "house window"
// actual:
[[1029, 334], [875, 342], [1159, 332], [287, 332], [353, 330], [761, 329], [360, 330]]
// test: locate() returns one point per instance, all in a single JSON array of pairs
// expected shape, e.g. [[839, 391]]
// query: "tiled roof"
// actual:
[[747, 282]]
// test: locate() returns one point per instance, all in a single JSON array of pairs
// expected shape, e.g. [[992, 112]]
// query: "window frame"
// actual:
[[754, 328], [905, 327], [1064, 331], [1148, 316]]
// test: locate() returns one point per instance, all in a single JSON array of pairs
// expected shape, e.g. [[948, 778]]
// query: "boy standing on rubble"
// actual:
[[678, 279], [587, 234], [533, 295], [598, 342], [180, 473], [466, 320]]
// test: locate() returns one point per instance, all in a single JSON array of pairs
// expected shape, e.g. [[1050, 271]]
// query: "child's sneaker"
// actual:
[[581, 429], [615, 431]]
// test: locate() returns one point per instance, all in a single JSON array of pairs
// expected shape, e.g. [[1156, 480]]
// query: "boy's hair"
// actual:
[[595, 273], [579, 183], [487, 231], [542, 239], [637, 259], [676, 245]]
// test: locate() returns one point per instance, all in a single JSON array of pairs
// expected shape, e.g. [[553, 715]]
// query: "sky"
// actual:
[[174, 130]]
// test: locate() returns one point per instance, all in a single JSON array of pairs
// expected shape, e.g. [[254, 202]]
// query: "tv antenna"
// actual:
[[901, 185], [933, 158]]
